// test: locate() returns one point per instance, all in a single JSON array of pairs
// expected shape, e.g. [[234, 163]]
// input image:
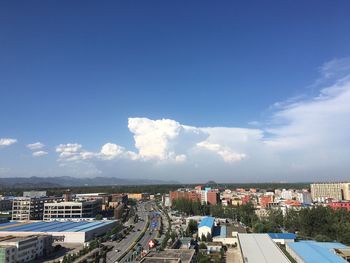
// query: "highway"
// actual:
[[119, 248], [143, 242]]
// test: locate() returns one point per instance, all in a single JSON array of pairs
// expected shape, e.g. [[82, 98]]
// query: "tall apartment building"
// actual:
[[24, 249], [27, 208], [185, 194], [213, 197], [336, 191], [76, 209]]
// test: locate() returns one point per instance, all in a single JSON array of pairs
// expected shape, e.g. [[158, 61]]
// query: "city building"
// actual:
[[185, 194], [76, 209], [312, 251], [166, 200], [34, 194], [259, 248], [264, 201], [28, 208], [118, 211], [67, 232], [212, 197], [121, 198], [337, 205], [206, 226], [138, 196], [320, 192], [102, 197], [24, 249]]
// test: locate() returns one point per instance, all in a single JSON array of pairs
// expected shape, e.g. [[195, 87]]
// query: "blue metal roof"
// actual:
[[317, 252], [282, 235], [207, 221], [56, 226]]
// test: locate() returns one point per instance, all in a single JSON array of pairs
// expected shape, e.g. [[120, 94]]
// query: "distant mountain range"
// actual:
[[67, 181]]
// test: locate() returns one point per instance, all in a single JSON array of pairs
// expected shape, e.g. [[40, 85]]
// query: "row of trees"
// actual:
[[320, 222], [244, 213]]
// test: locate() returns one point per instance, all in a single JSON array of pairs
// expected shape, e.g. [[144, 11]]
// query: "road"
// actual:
[[119, 248], [149, 234]]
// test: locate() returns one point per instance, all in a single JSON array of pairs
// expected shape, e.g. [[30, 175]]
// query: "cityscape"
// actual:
[[174, 131], [198, 223]]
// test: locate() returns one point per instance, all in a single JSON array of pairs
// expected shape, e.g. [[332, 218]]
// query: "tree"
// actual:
[[173, 236], [203, 238], [192, 227], [209, 238], [202, 246], [98, 217]]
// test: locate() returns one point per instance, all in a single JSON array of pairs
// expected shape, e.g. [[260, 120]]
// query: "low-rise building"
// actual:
[[170, 256], [67, 231], [138, 196], [259, 248], [28, 208], [338, 205], [312, 251], [24, 249], [76, 209], [206, 226]]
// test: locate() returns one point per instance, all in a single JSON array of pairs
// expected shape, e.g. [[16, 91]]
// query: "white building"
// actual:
[[24, 249], [206, 226], [81, 209]]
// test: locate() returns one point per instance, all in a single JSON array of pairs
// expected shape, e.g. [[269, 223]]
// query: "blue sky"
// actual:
[[80, 72]]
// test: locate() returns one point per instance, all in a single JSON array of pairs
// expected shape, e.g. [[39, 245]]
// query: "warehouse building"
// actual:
[[259, 248], [206, 226], [68, 232], [312, 251]]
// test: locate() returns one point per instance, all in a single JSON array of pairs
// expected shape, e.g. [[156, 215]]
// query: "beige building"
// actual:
[[81, 209], [28, 208], [336, 191], [24, 249]]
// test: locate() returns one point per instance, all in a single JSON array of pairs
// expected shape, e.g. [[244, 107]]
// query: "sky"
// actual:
[[191, 91]]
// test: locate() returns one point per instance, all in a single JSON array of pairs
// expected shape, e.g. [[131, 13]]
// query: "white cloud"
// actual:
[[225, 152], [301, 137], [110, 151], [39, 153], [35, 146], [7, 142], [153, 137]]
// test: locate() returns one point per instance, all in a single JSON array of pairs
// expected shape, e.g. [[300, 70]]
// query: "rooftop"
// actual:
[[259, 248], [320, 252], [55, 226], [207, 221], [170, 256]]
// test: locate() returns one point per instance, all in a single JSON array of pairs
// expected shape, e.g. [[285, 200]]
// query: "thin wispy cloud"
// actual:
[[35, 146]]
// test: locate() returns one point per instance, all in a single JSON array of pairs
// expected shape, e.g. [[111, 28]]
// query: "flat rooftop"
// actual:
[[320, 252], [53, 226], [170, 256], [259, 248]]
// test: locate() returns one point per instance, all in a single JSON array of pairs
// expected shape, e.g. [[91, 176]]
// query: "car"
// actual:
[[117, 250]]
